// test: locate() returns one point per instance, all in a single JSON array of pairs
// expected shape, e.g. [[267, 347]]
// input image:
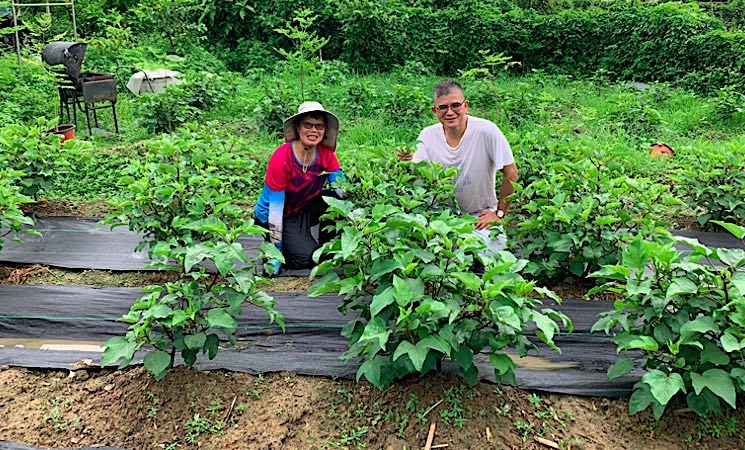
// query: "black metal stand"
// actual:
[[95, 107]]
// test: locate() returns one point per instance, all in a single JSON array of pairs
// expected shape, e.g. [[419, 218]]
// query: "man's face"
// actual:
[[451, 109]]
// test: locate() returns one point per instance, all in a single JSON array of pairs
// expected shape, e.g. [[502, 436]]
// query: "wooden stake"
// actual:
[[546, 442], [230, 410], [432, 407], [430, 437]]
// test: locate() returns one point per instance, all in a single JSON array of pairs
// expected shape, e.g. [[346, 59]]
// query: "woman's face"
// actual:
[[311, 131]]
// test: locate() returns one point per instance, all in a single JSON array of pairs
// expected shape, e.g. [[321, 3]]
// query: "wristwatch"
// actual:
[[500, 213]]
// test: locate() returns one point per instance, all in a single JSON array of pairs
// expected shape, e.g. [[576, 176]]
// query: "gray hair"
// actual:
[[445, 88]]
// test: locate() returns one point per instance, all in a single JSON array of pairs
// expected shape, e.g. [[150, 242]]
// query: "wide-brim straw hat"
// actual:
[[332, 124]]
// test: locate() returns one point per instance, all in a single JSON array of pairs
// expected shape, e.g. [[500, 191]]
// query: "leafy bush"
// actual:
[[574, 219], [12, 218], [716, 189], [688, 318], [407, 276], [179, 198], [181, 103], [39, 157]]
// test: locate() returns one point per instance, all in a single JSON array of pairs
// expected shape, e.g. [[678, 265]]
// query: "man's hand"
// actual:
[[403, 153], [487, 219]]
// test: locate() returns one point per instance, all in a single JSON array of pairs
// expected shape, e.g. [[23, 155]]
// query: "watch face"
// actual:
[[500, 213]]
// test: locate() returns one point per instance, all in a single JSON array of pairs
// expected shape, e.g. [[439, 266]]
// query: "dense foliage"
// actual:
[[178, 198], [407, 262], [687, 316]]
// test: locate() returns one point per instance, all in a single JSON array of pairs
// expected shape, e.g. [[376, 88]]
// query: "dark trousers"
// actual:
[[298, 244]]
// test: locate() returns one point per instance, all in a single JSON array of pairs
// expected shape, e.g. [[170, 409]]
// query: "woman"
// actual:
[[291, 201]]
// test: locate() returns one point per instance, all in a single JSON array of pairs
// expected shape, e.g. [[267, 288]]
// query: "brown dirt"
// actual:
[[129, 409], [61, 207]]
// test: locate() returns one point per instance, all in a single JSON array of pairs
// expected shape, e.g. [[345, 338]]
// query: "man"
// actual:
[[478, 148]]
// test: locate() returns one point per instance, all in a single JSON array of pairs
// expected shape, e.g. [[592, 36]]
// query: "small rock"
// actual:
[[108, 387]]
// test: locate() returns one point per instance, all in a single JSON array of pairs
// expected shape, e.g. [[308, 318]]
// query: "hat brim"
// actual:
[[330, 136]]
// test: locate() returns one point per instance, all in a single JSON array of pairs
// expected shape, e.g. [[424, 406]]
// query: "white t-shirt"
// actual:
[[482, 151]]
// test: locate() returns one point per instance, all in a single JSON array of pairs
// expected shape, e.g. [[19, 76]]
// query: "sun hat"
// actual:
[[332, 124]]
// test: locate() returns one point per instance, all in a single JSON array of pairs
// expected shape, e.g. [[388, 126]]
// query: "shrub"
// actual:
[[12, 218], [686, 315], [179, 198], [406, 261], [574, 219]]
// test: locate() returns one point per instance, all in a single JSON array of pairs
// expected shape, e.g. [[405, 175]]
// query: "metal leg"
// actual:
[[88, 119], [116, 123]]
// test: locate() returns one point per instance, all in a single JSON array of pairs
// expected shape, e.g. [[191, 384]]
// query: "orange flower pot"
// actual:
[[65, 132]]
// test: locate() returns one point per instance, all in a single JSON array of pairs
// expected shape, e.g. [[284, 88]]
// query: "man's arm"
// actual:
[[509, 176], [488, 218]]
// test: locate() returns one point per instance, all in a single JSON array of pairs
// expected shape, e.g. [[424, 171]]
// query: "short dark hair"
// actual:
[[445, 88]]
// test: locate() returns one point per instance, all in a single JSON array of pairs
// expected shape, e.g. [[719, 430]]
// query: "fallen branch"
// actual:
[[230, 410], [430, 436], [546, 442], [432, 407]]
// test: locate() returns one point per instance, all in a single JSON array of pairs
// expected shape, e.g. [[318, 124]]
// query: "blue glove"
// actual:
[[274, 266]]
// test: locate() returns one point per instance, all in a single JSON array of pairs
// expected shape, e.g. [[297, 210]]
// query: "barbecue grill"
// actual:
[[84, 91]]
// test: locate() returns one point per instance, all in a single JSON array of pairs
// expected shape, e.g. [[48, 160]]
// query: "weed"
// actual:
[[354, 437], [453, 397], [525, 428]]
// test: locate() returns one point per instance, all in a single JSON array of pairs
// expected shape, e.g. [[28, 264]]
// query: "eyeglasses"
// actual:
[[310, 126], [455, 106]]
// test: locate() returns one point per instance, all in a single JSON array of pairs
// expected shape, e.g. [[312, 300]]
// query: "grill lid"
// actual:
[[68, 54]]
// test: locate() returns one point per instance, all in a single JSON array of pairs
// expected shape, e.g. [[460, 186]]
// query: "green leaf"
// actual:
[[435, 342], [701, 325], [680, 286], [718, 381], [402, 291], [733, 257], [195, 341], [713, 354], [157, 362], [380, 301], [738, 375], [621, 367], [377, 329], [211, 345], [664, 386], [502, 363], [738, 280], [221, 318], [349, 243], [118, 348], [371, 369], [640, 399], [736, 230], [730, 343], [381, 267], [546, 325], [640, 342], [704, 404], [469, 279], [416, 354], [195, 254], [506, 315]]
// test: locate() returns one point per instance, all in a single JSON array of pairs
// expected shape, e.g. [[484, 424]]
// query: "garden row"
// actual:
[[407, 259]]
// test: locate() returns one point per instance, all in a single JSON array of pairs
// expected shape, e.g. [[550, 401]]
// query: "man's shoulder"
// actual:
[[482, 124]]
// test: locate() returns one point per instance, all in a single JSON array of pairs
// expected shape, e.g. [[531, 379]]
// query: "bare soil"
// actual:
[[190, 409]]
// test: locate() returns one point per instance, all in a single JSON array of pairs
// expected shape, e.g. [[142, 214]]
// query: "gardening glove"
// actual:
[[341, 193], [273, 267]]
